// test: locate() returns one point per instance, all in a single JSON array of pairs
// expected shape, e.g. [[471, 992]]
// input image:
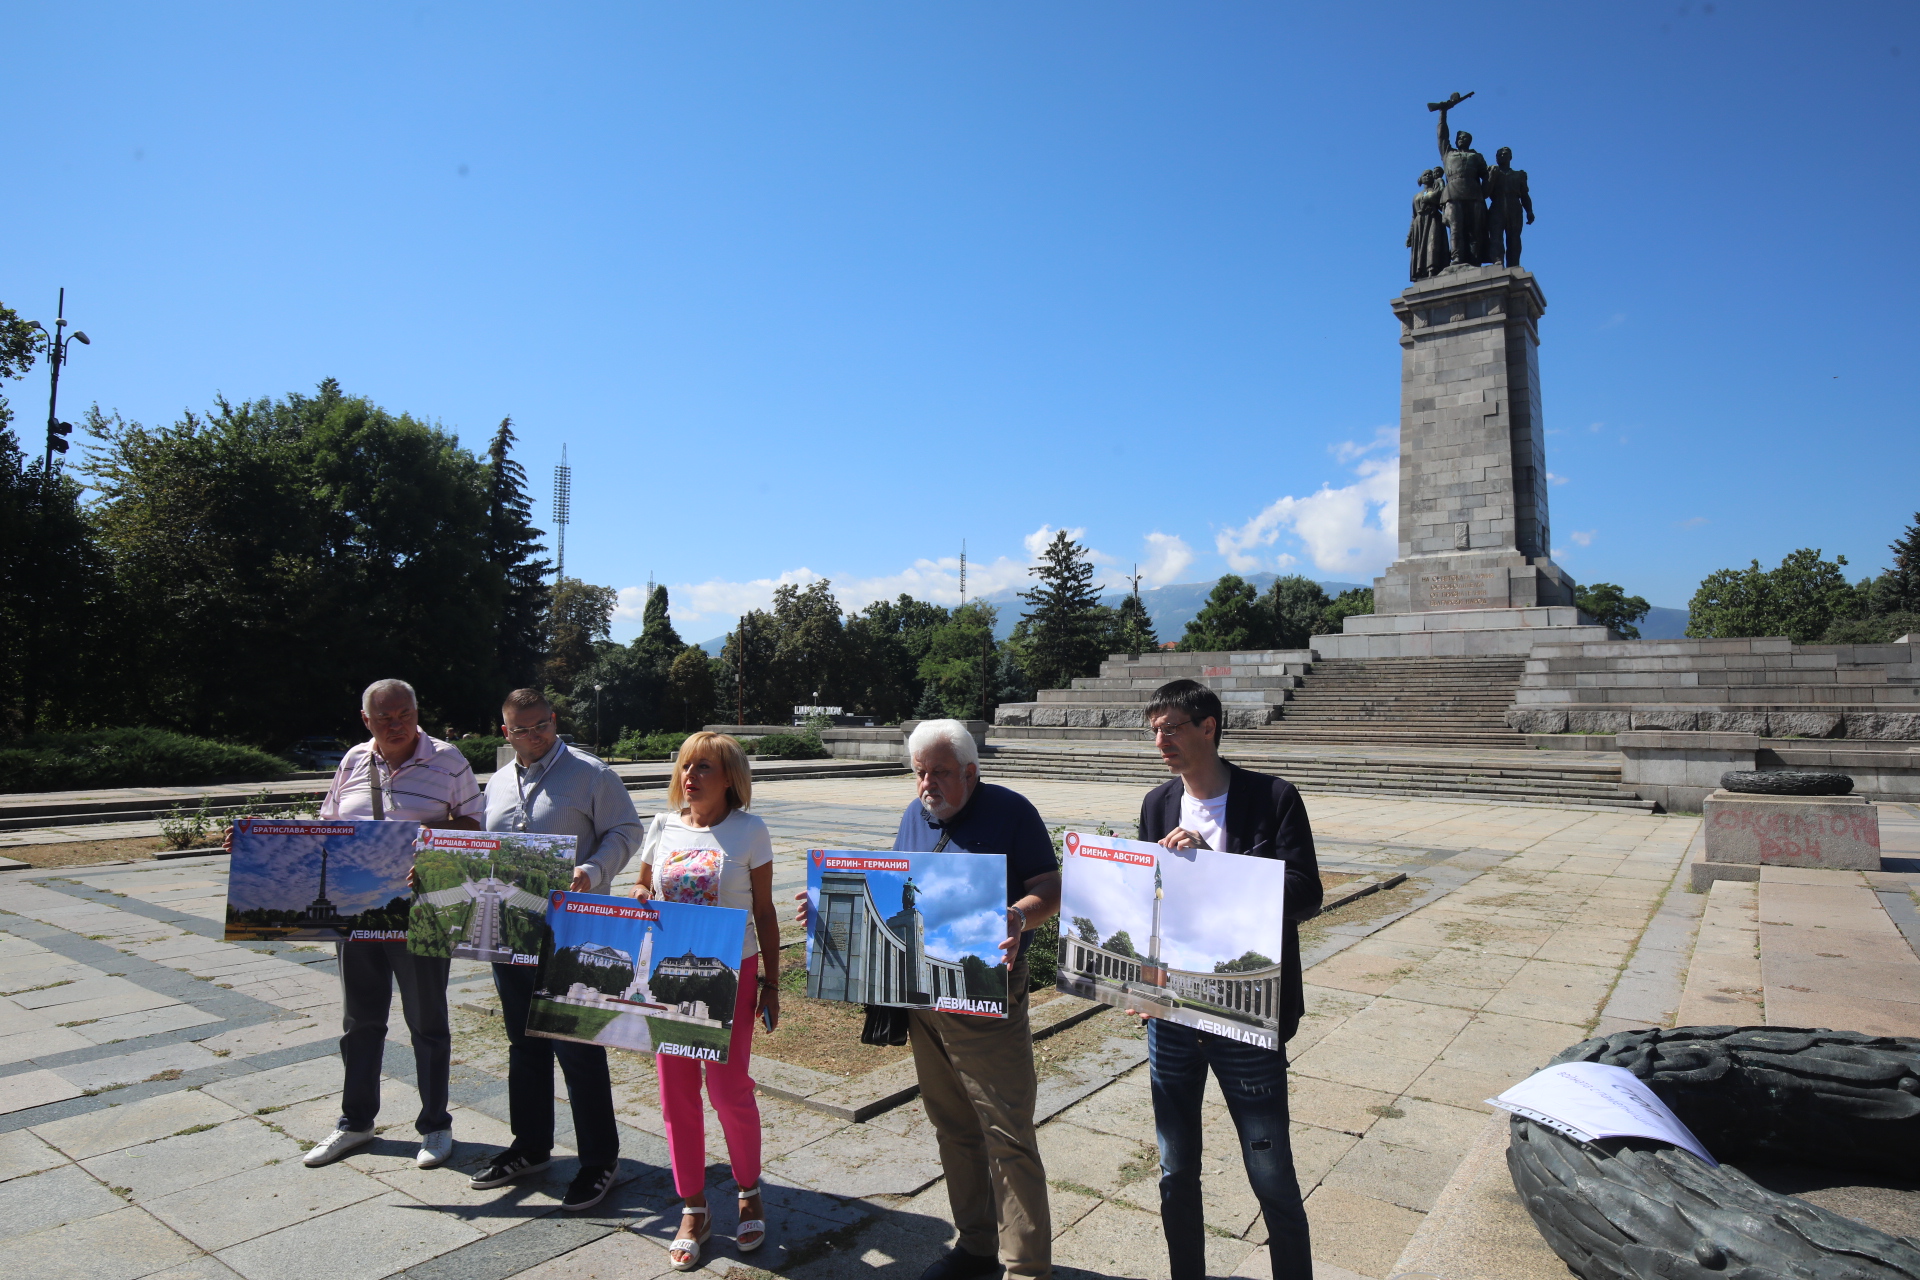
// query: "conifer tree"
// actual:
[[513, 547], [1231, 619], [1066, 639], [1903, 580]]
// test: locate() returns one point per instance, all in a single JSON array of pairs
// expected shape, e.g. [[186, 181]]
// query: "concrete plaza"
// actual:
[[157, 1085]]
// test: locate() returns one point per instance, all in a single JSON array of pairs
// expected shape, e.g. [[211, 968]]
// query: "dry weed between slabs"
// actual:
[[80, 853]]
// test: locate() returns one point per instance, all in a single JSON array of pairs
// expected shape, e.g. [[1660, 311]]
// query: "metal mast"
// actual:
[[562, 510]]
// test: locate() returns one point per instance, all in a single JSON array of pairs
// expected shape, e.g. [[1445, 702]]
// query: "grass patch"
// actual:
[[1386, 1112], [194, 1128]]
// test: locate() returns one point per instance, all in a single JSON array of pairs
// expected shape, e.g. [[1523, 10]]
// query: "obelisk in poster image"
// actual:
[[319, 881], [654, 977], [1191, 935]]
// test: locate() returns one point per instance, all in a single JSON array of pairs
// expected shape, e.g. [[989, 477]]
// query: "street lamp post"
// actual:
[[57, 343], [596, 718]]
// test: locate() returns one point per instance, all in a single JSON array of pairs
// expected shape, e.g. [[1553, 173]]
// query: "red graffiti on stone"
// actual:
[[1787, 836]]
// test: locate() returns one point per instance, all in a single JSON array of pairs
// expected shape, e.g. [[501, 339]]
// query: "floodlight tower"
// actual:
[[562, 510]]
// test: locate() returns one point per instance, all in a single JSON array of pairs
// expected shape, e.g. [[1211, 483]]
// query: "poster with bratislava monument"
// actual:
[[653, 977], [1191, 935], [483, 894], [917, 930], [319, 881]]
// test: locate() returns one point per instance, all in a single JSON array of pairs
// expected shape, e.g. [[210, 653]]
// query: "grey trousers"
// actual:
[[977, 1083]]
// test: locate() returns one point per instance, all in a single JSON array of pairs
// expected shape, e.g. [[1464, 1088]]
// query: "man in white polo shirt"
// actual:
[[400, 775]]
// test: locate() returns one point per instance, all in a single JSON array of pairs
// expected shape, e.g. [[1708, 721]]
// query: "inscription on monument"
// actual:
[[1485, 589]]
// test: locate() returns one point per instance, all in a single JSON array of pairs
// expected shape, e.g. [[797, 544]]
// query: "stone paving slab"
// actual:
[[1520, 918]]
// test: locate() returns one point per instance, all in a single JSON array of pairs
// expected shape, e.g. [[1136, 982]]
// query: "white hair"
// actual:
[[380, 688], [951, 732]]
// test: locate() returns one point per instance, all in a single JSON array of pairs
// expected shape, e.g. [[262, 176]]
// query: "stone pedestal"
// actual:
[[1474, 530], [1456, 633], [1822, 833]]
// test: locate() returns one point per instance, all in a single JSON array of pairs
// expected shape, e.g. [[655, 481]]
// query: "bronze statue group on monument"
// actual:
[[1467, 214]]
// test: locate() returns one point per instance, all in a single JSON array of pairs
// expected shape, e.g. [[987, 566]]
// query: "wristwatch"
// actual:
[[1023, 917]]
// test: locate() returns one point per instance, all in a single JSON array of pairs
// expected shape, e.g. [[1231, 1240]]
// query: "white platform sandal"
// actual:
[[689, 1245], [752, 1232]]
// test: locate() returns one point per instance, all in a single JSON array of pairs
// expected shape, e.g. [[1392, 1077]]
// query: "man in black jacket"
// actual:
[[1213, 804]]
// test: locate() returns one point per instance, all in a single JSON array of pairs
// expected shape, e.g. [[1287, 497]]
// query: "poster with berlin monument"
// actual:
[[319, 881], [653, 977], [918, 930], [483, 894], [1190, 935]]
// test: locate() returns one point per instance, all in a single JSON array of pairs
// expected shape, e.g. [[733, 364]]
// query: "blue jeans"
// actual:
[[1254, 1082], [530, 1080]]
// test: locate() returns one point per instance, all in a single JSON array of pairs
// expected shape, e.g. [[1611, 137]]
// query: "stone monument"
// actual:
[[1475, 573]]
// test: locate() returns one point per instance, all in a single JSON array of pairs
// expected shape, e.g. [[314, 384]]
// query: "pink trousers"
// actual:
[[731, 1090]]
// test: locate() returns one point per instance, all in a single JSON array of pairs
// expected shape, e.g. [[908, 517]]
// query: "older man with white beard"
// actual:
[[976, 1074]]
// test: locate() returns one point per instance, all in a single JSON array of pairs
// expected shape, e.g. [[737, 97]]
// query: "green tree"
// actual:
[[1085, 928], [658, 642], [885, 643], [1131, 628], [578, 615], [1121, 944], [1902, 582], [1294, 605], [1065, 642], [689, 696], [1230, 619], [1612, 607], [275, 556], [754, 639], [1247, 963], [1801, 599], [960, 659], [1347, 604], [513, 549]]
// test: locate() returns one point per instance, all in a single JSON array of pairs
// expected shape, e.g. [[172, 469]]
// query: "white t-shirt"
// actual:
[[709, 866], [1206, 818]]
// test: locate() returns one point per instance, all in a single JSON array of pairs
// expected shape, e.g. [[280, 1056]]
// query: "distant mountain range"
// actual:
[[1173, 606]]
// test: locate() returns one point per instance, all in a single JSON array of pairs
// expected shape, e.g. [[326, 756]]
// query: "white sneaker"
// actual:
[[337, 1144], [436, 1149]]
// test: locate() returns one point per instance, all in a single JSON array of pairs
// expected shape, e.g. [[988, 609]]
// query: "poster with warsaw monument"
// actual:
[[650, 976], [483, 894], [1190, 935]]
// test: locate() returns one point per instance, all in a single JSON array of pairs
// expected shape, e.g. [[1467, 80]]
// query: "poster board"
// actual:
[[483, 894], [1588, 1101], [914, 930], [1195, 936], [304, 880], [652, 977]]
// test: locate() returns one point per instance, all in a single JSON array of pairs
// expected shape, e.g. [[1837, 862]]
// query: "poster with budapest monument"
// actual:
[[1190, 935], [653, 977]]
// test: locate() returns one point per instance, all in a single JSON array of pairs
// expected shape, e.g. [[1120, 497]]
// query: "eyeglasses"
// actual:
[[398, 717], [1168, 730], [525, 730]]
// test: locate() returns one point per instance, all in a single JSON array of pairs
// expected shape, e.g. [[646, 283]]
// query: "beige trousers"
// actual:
[[976, 1080]]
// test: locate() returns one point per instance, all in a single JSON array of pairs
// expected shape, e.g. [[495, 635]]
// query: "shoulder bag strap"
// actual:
[[373, 784]]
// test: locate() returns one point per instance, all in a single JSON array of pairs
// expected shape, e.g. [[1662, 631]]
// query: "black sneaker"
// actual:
[[507, 1166], [589, 1188], [957, 1264]]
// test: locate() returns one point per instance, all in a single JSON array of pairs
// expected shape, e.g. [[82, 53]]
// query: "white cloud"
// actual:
[[1583, 539], [1168, 556], [1387, 438], [1353, 529], [1691, 522], [1036, 542], [1554, 479]]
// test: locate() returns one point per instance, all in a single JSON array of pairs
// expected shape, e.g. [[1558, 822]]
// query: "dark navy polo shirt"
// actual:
[[994, 820]]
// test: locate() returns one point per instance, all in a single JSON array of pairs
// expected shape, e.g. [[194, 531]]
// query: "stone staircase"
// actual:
[[1458, 701], [1556, 780], [1252, 686], [1286, 697]]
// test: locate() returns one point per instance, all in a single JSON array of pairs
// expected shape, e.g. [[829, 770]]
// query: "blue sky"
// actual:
[[1218, 906], [963, 908], [365, 869], [825, 289], [682, 928]]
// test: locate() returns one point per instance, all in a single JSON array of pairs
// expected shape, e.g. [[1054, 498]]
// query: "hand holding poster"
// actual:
[[1191, 935], [654, 977], [1588, 1101], [483, 894], [918, 930], [319, 881]]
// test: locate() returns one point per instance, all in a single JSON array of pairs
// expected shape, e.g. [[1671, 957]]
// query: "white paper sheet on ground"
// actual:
[[1588, 1101]]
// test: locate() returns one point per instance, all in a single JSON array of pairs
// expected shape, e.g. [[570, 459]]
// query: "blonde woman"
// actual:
[[708, 849]]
